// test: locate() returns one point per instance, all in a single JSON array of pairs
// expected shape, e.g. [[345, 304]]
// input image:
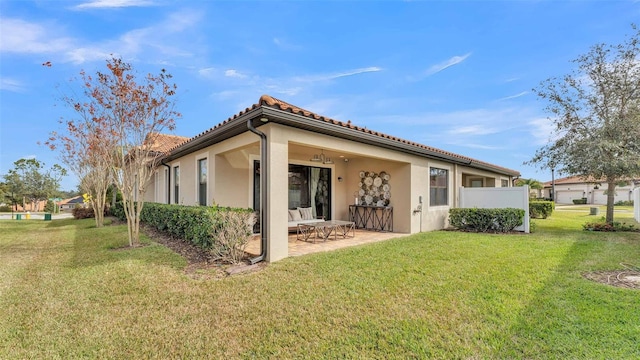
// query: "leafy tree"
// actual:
[[30, 180], [596, 113], [120, 118], [50, 206]]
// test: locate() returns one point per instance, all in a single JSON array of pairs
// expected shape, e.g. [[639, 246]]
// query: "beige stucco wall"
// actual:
[[230, 178]]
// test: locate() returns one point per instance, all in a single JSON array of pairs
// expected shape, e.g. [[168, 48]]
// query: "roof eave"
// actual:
[[305, 123]]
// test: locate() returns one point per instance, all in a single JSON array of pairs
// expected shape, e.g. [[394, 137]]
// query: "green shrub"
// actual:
[[604, 226], [49, 207], [580, 201], [541, 209], [82, 212], [224, 231], [624, 203], [118, 211], [5, 208], [486, 220]]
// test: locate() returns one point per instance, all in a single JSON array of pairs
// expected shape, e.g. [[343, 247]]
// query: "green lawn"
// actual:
[[65, 293]]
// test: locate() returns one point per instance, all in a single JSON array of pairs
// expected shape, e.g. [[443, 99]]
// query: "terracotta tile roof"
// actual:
[[580, 180], [270, 101], [165, 142]]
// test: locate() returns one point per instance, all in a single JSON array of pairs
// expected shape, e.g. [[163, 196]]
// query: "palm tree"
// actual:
[[533, 183]]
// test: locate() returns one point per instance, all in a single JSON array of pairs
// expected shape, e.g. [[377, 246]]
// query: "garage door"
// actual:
[[566, 196]]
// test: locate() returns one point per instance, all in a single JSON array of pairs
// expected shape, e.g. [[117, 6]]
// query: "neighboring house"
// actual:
[[31, 206], [314, 161], [595, 191], [70, 204]]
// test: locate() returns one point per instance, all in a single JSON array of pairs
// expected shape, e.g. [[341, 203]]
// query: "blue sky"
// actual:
[[454, 75]]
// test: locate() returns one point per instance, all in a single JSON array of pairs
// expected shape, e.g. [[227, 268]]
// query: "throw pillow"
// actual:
[[306, 213], [294, 215]]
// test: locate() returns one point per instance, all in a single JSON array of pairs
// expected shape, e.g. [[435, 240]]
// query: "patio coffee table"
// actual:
[[325, 229]]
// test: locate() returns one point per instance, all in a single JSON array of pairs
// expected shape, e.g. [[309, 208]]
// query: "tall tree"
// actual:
[[30, 180], [86, 145], [130, 112], [596, 113]]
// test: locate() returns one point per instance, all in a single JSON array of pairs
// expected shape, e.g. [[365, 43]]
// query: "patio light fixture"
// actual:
[[321, 158]]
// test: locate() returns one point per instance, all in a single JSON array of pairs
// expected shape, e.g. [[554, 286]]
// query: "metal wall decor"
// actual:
[[373, 189]]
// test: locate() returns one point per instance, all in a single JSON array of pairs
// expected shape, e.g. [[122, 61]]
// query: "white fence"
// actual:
[[497, 198], [636, 204]]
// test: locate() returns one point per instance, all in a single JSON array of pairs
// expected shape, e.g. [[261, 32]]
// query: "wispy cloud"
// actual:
[[475, 146], [12, 85], [514, 96], [326, 77], [542, 130], [473, 130], [285, 45], [102, 4], [23, 37], [234, 74], [163, 39], [455, 60]]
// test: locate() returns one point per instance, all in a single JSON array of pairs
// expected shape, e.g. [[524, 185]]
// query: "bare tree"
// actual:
[[86, 146], [136, 113], [596, 113], [115, 140]]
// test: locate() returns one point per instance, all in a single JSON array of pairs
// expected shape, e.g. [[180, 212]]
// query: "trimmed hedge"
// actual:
[[197, 224], [486, 220], [80, 212], [541, 209], [581, 201]]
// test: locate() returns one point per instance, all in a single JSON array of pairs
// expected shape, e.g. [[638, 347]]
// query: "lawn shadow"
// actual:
[[573, 317], [110, 244]]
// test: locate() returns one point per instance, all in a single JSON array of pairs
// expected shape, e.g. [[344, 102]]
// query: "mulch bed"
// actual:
[[628, 279], [200, 262]]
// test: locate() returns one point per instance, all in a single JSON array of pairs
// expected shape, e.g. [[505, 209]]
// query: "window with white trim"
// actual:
[[438, 187], [202, 181]]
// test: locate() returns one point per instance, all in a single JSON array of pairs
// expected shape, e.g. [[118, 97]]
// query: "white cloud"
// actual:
[[22, 37], [542, 130], [234, 73], [325, 77], [101, 4], [473, 130], [162, 40], [207, 72], [514, 96], [447, 64], [475, 146], [285, 45], [12, 85]]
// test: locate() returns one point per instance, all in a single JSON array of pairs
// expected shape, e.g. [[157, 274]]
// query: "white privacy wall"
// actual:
[[636, 204], [498, 198]]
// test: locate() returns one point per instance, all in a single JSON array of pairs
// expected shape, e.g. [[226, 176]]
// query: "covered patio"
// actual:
[[301, 247]]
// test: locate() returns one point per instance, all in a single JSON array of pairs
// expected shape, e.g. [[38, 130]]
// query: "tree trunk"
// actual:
[[611, 193]]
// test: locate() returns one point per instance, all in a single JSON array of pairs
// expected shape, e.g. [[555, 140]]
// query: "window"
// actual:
[[176, 185], [439, 188], [476, 183], [310, 186], [202, 181], [505, 183]]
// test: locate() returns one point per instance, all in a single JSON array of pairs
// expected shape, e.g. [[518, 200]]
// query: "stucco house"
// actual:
[[70, 204], [299, 159], [595, 191]]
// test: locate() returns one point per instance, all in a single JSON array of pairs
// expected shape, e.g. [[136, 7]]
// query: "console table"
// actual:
[[378, 218]]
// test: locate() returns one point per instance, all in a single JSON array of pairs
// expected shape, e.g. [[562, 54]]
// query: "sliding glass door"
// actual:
[[308, 187]]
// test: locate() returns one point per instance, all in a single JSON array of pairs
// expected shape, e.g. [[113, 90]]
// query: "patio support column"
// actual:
[[277, 190]]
